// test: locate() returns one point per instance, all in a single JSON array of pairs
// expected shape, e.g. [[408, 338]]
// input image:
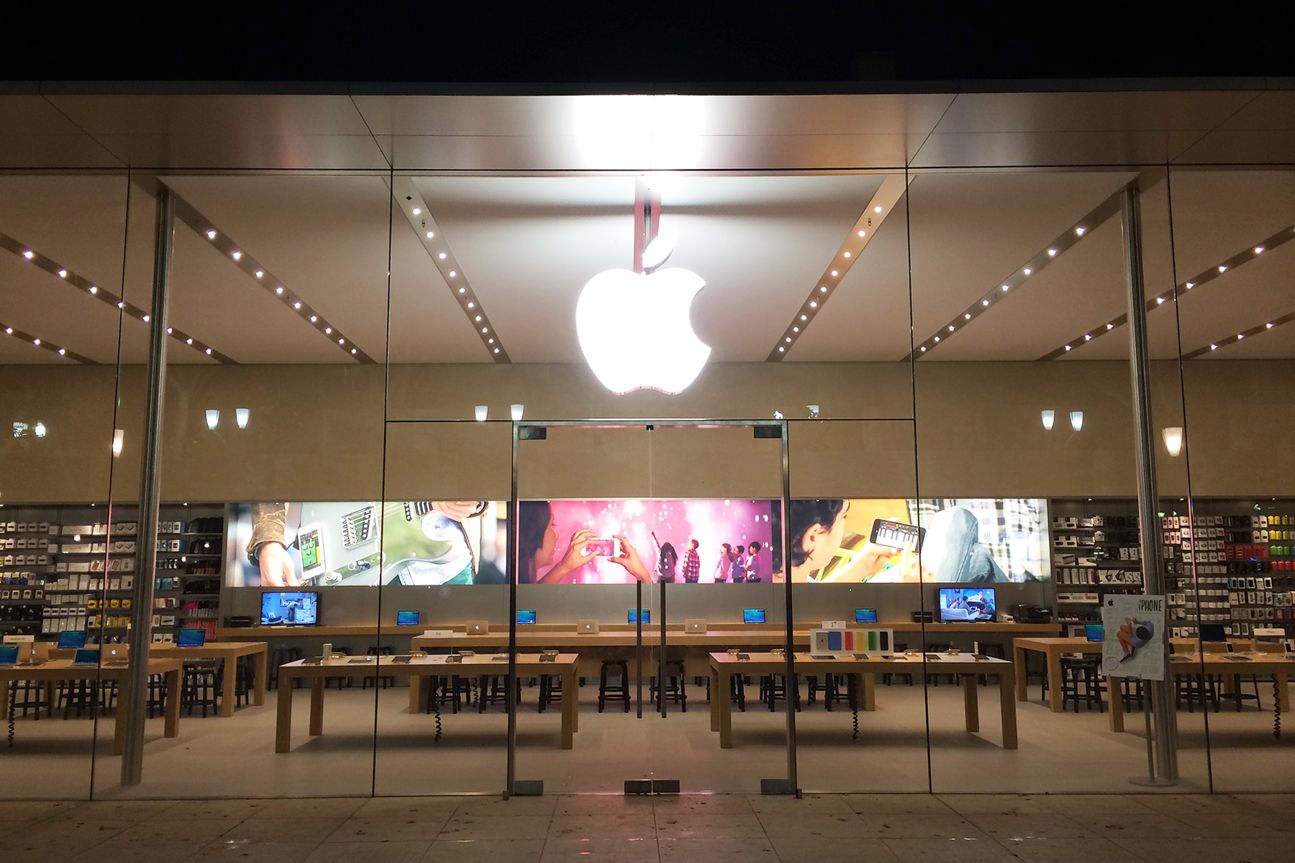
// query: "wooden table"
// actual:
[[499, 629], [420, 667], [1218, 665], [229, 651], [58, 670], [724, 666]]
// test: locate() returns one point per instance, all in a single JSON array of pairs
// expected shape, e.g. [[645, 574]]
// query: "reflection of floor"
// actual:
[[877, 828], [235, 757]]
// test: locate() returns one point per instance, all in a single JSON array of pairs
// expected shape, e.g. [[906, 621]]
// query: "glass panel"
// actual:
[[1233, 264], [62, 339]]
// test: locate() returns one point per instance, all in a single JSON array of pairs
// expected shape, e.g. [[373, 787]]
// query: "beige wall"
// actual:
[[317, 431]]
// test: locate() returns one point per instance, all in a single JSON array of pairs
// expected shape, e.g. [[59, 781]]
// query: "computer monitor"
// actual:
[[1213, 632], [8, 654], [634, 615], [408, 618], [967, 604], [86, 656], [525, 615], [865, 615], [753, 615], [290, 608], [192, 637], [1094, 632], [72, 639]]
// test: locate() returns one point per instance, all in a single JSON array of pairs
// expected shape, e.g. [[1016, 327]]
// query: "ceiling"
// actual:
[[534, 195]]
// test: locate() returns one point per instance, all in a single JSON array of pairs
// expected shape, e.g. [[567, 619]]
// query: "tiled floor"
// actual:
[[885, 828]]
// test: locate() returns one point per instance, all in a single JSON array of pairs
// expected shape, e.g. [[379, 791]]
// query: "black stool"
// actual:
[[343, 682], [279, 656], [773, 687], [386, 680], [674, 684], [889, 677], [607, 689], [199, 687], [156, 695], [28, 695], [1076, 671], [830, 689], [550, 685], [994, 649]]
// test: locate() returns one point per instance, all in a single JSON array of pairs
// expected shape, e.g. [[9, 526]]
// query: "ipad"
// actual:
[[526, 615], [865, 615], [753, 615], [408, 618]]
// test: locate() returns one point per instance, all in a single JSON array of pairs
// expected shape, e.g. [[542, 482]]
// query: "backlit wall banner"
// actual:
[[323, 544], [976, 540], [620, 541]]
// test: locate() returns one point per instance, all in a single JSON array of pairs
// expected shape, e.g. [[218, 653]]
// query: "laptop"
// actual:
[[86, 656], [408, 618], [1213, 632], [587, 627], [526, 615], [71, 639], [8, 654], [694, 624], [753, 615], [192, 638], [1094, 632], [115, 654], [477, 627], [865, 615]]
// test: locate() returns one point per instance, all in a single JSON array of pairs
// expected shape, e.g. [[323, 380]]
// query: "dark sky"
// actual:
[[769, 46]]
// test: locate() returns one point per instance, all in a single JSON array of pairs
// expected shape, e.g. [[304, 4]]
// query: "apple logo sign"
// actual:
[[635, 328]]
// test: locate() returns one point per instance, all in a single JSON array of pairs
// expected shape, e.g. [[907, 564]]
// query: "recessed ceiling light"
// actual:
[[804, 317], [1240, 336], [260, 273], [352, 350], [62, 274], [788, 339], [950, 327], [1087, 337], [341, 341], [485, 330], [35, 341], [1027, 271], [477, 319], [1110, 326], [937, 338], [1268, 326], [1052, 253], [813, 304], [1160, 301], [1006, 288], [1079, 230], [845, 254], [1190, 286], [431, 235], [923, 348], [29, 254], [471, 305], [297, 305], [314, 319], [463, 290], [822, 289], [863, 233], [169, 331], [418, 211], [279, 290], [453, 273], [1223, 268], [211, 234], [62, 352], [236, 255], [490, 341], [94, 289], [208, 351], [188, 341], [328, 331], [121, 305], [1067, 347], [795, 329], [1214, 347], [441, 256], [145, 318], [984, 302], [835, 274], [966, 316], [1259, 250], [781, 349], [877, 209]]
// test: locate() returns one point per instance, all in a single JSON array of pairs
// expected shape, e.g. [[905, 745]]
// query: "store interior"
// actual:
[[373, 328]]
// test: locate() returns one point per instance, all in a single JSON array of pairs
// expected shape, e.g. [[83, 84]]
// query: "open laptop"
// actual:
[[1213, 632], [192, 638], [694, 624], [115, 654], [8, 654], [71, 639], [1094, 632], [86, 656], [587, 627], [477, 627]]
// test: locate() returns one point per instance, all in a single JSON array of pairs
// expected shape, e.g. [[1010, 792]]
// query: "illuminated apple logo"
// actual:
[[635, 329]]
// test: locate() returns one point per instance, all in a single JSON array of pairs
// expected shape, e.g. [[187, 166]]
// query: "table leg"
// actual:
[[1007, 706], [1283, 692], [283, 719], [416, 692], [1115, 715], [119, 721], [720, 697], [869, 691], [317, 706], [714, 699], [971, 702], [1055, 703], [228, 690], [1020, 660], [569, 702], [260, 683], [173, 683], [4, 698]]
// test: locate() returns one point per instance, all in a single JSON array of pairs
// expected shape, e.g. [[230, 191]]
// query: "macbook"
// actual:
[[192, 637], [407, 618], [477, 627], [71, 639], [694, 624], [587, 627], [86, 656], [525, 616], [1094, 632], [8, 654], [753, 615], [115, 653], [1213, 632]]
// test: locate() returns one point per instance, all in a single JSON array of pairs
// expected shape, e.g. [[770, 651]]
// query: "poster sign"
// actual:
[[1134, 643]]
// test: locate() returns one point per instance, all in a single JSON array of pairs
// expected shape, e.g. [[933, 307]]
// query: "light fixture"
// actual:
[[418, 211], [966, 316], [822, 289], [279, 290], [297, 304], [835, 274], [39, 429], [1173, 437], [241, 416], [1076, 420], [1190, 286], [62, 274], [1027, 271], [211, 234], [118, 440], [1048, 417], [314, 319], [877, 209], [845, 254], [1110, 326], [236, 255], [213, 418], [453, 273], [471, 305], [1259, 250], [1006, 288], [431, 235], [260, 273], [984, 302], [1160, 301], [1079, 230], [482, 411], [862, 233], [29, 254], [1052, 253], [1268, 326], [1223, 268], [1067, 347], [94, 289], [517, 410], [441, 256], [1088, 337]]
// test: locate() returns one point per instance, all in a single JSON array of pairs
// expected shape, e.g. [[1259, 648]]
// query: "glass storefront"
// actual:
[[534, 453]]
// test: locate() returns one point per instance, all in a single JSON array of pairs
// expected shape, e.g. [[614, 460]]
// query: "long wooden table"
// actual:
[[650, 631], [725, 666], [58, 670], [415, 671], [228, 651], [1218, 665]]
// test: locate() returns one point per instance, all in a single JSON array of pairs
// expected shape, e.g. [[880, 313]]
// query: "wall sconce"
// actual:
[[1048, 417], [1173, 436], [213, 419], [241, 416], [517, 412], [1076, 420], [482, 411], [118, 438]]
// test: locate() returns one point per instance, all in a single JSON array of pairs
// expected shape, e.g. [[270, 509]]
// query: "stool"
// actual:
[[935, 678], [385, 680], [492, 689], [889, 677], [674, 684], [1075, 671], [156, 695], [773, 687], [279, 656], [199, 687], [994, 649], [28, 695], [607, 689], [830, 689], [550, 685], [342, 682]]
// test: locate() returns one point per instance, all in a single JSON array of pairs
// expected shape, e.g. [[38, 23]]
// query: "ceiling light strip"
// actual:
[[1037, 262], [90, 288], [11, 332], [861, 233], [1211, 273], [429, 233], [1220, 344], [259, 273]]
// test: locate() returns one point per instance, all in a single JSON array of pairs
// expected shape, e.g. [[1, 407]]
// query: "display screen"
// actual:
[[86, 656], [634, 615], [71, 640], [192, 637], [1094, 632], [962, 604], [310, 545], [407, 618], [525, 615], [8, 654], [753, 615], [865, 615], [290, 608]]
